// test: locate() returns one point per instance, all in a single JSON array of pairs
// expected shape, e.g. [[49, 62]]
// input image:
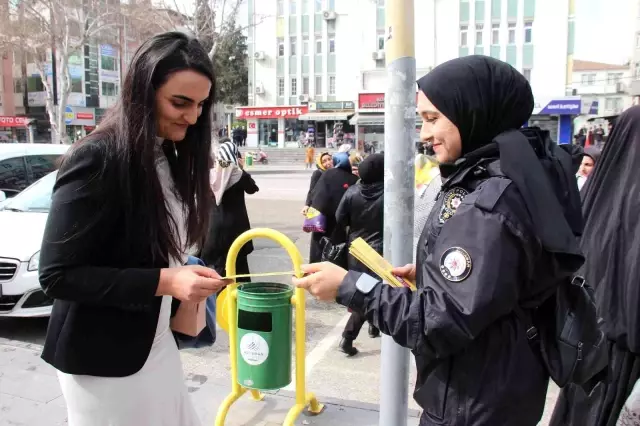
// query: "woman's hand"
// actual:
[[322, 281], [305, 210], [406, 271], [192, 283]]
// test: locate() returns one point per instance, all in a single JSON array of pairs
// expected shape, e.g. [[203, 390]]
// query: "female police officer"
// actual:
[[501, 235]]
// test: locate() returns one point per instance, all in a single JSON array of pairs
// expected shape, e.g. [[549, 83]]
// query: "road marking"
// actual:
[[321, 349]]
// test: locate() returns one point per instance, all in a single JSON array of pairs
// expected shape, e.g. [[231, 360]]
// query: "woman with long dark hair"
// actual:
[[130, 201]]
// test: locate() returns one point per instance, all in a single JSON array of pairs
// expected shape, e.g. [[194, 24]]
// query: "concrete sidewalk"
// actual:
[[277, 169], [30, 396]]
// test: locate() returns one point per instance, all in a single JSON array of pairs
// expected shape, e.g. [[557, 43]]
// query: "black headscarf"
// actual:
[[482, 96], [488, 100], [610, 241], [593, 152], [371, 170]]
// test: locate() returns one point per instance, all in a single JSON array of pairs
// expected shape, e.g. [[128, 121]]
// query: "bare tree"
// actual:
[[42, 29]]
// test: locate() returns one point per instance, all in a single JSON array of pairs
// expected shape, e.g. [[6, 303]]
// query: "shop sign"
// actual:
[[590, 106], [9, 121], [271, 112], [332, 106], [78, 116], [373, 101], [558, 106], [106, 50]]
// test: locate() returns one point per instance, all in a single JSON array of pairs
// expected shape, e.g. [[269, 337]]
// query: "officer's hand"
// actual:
[[406, 271], [322, 281]]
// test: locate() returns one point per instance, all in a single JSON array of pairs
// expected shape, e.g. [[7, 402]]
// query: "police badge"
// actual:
[[455, 264], [452, 200]]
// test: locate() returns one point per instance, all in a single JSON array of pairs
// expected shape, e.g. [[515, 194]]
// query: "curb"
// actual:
[[253, 171]]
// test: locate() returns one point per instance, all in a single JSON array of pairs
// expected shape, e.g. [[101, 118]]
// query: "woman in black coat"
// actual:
[[229, 217], [323, 163], [328, 193], [360, 215]]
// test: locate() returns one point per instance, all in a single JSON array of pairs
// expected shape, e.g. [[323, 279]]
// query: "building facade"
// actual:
[[605, 87], [303, 52], [634, 89]]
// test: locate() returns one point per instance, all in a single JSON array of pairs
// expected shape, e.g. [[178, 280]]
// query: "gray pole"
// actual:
[[399, 145]]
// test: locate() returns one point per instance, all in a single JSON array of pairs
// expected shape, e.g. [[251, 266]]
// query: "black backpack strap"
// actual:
[[525, 318]]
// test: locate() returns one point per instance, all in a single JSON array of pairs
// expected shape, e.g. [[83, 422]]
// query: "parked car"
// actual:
[[22, 223], [21, 164]]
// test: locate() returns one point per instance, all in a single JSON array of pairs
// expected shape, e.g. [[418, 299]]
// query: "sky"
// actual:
[[605, 30]]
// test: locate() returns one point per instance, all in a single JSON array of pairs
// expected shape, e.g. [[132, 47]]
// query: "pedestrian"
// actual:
[[500, 221], [129, 201], [611, 246], [589, 160], [310, 153], [229, 218], [360, 215], [323, 163]]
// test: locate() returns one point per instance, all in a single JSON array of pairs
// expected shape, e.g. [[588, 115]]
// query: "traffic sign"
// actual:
[[68, 115]]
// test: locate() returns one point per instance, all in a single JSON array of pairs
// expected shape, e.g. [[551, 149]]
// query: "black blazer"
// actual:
[[105, 310]]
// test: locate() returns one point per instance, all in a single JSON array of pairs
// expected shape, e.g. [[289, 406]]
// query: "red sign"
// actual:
[[84, 116], [8, 121], [271, 112], [373, 101]]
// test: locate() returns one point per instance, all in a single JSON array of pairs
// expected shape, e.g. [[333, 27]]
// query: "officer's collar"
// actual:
[[454, 173]]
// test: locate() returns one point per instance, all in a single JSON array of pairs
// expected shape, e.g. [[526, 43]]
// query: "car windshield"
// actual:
[[36, 198]]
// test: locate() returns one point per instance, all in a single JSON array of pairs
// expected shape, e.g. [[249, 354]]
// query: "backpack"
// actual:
[[565, 329]]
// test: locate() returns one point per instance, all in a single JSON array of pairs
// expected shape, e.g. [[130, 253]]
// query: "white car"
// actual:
[[22, 222]]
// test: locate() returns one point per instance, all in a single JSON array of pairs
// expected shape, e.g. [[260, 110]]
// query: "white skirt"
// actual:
[[154, 396]]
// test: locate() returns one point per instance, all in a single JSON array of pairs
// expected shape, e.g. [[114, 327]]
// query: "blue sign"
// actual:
[[68, 115], [106, 50], [562, 107], [593, 110]]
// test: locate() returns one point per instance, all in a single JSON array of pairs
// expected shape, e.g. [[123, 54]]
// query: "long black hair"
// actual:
[[130, 133]]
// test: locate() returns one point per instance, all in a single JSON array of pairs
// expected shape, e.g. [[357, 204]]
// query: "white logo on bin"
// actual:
[[254, 349]]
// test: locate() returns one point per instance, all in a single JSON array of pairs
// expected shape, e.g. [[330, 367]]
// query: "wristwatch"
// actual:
[[366, 283]]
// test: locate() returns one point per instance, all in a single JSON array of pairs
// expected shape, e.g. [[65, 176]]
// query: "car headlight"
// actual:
[[34, 262]]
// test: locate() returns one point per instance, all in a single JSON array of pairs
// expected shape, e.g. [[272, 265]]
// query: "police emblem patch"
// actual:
[[452, 200], [455, 264]]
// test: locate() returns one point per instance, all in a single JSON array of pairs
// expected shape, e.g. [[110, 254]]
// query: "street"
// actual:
[[350, 386]]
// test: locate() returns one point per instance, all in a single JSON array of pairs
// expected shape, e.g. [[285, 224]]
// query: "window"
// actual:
[[280, 8], [318, 85], [293, 7], [294, 86], [318, 5], [613, 78], [18, 85], [292, 46], [638, 41], [463, 35], [108, 63], [588, 79], [479, 29], [528, 32], [280, 47], [305, 85], [332, 45], [613, 104], [331, 27], [495, 34], [280, 86], [305, 7], [305, 46], [380, 41], [42, 165], [109, 89], [34, 84], [76, 85], [332, 84], [527, 74], [318, 47], [637, 70], [13, 175], [512, 33]]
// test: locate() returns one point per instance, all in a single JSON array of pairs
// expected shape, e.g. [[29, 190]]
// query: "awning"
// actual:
[[368, 119], [325, 116]]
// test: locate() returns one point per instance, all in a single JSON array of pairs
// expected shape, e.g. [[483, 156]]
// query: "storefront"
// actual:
[[556, 115], [272, 126], [14, 129], [80, 121], [330, 122], [369, 122]]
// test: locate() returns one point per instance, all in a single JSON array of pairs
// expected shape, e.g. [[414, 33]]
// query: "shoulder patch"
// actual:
[[455, 264], [490, 191], [452, 199]]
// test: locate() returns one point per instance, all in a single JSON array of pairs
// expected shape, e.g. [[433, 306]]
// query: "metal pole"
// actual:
[[399, 136]]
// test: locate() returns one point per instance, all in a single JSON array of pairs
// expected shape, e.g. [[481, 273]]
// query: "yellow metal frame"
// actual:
[[303, 399]]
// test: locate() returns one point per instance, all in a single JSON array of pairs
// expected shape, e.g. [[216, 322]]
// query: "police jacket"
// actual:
[[476, 261]]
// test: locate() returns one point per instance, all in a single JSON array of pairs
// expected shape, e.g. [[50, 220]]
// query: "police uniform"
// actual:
[[477, 259]]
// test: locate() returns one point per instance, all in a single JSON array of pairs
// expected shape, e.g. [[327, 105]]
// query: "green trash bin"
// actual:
[[264, 335], [249, 160]]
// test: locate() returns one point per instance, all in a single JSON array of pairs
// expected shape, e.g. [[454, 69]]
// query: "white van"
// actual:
[[21, 164]]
